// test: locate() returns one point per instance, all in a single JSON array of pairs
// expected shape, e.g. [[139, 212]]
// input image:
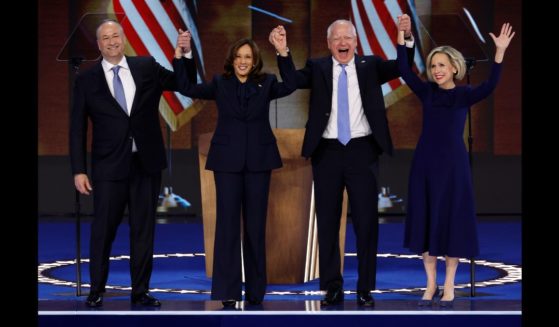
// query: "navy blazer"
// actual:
[[243, 137], [372, 72], [113, 129]]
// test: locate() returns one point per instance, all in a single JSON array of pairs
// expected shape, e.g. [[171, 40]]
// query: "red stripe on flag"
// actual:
[[174, 15], [130, 33], [404, 7], [173, 102], [140, 49], [155, 29], [407, 10], [369, 33], [390, 28], [387, 21], [371, 37]]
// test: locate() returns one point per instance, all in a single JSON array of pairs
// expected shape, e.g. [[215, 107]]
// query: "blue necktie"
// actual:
[[119, 89], [344, 131]]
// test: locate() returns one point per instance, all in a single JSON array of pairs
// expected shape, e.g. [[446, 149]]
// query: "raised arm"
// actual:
[[278, 38], [404, 64], [388, 69], [185, 70], [502, 41]]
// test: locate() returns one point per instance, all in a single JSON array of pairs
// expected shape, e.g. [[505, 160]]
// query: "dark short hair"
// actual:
[[229, 70]]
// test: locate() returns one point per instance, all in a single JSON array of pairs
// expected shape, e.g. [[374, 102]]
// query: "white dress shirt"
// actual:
[[127, 83], [357, 120]]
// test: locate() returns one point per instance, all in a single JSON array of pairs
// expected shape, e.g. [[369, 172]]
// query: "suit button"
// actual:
[[327, 114]]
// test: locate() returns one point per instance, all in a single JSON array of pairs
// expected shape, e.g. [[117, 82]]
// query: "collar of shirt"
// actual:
[[350, 64], [107, 66]]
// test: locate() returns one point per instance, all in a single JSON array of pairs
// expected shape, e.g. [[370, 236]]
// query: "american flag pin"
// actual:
[[259, 85], [362, 61]]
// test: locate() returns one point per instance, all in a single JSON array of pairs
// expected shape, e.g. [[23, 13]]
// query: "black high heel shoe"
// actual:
[[228, 303], [446, 303], [428, 303]]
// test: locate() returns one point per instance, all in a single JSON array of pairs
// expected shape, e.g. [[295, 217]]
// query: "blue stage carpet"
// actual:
[[179, 271]]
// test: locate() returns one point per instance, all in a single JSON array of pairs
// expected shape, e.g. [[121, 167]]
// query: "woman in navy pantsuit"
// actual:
[[242, 154]]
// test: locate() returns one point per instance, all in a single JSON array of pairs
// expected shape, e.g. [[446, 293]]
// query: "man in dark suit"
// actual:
[[120, 96], [345, 133]]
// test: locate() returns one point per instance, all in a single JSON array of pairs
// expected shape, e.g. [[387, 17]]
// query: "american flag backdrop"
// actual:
[[376, 24], [151, 28]]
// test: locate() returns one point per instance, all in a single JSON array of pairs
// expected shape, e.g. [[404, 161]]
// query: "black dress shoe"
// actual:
[[94, 300], [146, 300], [254, 302], [334, 295], [228, 303], [364, 298]]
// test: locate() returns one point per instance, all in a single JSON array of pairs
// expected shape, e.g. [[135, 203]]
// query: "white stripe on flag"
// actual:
[[394, 10], [164, 21], [386, 88], [380, 32], [362, 36], [382, 36], [189, 21], [149, 41]]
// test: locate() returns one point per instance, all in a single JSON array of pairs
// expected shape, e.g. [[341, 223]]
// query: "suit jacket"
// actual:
[[113, 129], [243, 136], [372, 72]]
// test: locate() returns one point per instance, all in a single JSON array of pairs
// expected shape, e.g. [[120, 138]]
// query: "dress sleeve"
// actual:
[[483, 90], [414, 82]]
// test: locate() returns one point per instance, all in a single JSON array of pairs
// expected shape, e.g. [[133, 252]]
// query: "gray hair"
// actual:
[[109, 21], [340, 21]]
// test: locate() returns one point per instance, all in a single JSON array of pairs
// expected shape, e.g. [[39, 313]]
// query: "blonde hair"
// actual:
[[456, 60]]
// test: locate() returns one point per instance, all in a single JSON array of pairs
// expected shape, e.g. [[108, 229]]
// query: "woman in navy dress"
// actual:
[[441, 218], [242, 154]]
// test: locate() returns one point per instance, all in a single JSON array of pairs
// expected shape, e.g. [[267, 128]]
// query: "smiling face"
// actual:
[[110, 40], [243, 62], [442, 70], [342, 41]]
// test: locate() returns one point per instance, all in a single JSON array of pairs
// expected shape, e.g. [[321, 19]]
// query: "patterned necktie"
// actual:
[[119, 89], [344, 132]]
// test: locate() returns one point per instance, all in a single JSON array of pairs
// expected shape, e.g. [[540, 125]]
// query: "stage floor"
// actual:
[[179, 280]]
